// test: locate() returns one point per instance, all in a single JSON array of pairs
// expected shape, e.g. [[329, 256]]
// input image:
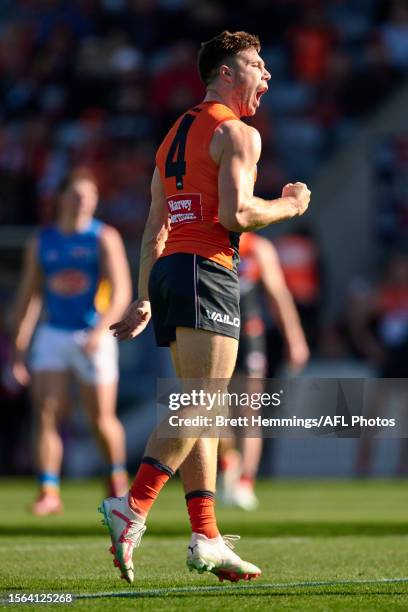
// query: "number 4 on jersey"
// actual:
[[177, 167]]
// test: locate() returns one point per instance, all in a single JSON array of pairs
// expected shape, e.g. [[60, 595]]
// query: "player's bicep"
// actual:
[[230, 187], [236, 173]]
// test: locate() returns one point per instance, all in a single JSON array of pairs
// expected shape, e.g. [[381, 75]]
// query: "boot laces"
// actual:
[[135, 532], [229, 540]]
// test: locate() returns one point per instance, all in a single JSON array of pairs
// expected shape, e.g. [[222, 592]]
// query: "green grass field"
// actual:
[[321, 545]]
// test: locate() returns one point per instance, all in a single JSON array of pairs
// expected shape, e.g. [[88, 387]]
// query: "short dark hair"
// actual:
[[215, 51], [77, 174]]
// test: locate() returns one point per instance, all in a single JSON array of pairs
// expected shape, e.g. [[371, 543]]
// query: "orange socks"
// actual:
[[200, 505], [149, 480], [230, 460], [247, 481]]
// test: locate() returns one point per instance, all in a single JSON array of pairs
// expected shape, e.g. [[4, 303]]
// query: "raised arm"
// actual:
[[154, 238], [281, 303], [236, 149]]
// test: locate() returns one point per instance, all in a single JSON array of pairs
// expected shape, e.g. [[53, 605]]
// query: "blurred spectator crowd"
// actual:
[[98, 82]]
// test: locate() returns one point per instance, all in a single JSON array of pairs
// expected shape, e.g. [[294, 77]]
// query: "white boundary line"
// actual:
[[233, 588]]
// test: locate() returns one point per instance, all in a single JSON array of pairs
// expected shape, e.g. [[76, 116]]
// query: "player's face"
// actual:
[[80, 198], [250, 81]]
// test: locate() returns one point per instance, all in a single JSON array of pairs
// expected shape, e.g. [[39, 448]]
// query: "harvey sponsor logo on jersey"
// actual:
[[69, 283], [218, 317], [185, 208]]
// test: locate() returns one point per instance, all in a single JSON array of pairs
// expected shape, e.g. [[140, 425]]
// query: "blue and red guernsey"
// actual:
[[190, 179], [71, 268]]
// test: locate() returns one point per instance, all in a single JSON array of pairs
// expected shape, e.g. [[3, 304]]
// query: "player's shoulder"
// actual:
[[44, 231], [98, 229], [235, 129], [109, 235], [237, 135], [40, 236], [264, 247], [37, 241]]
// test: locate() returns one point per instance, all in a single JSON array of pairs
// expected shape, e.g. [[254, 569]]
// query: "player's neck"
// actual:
[[69, 225], [214, 96]]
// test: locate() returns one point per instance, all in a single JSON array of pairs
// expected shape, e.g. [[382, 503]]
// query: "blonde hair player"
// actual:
[[65, 266]]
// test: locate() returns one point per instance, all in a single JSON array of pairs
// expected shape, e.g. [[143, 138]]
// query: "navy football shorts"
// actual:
[[191, 291]]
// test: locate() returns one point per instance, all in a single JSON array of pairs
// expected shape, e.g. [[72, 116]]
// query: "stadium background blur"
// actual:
[[98, 83]]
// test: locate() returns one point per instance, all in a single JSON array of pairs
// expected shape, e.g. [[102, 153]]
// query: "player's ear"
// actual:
[[226, 73]]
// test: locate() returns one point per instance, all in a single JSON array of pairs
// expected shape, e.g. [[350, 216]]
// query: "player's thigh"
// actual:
[[175, 358], [99, 400], [49, 390], [98, 368], [205, 354], [97, 375], [50, 350]]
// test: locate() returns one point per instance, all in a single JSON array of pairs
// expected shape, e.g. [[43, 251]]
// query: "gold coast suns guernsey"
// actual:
[[190, 179]]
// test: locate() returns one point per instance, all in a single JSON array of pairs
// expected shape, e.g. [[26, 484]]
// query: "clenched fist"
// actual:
[[300, 192]]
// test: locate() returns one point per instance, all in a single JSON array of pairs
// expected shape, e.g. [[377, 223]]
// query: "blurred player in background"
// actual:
[[300, 260], [65, 266], [259, 266], [202, 199]]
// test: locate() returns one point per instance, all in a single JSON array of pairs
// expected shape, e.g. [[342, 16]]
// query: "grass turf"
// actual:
[[347, 536]]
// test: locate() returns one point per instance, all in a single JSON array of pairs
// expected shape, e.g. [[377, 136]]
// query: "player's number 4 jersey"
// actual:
[[190, 179]]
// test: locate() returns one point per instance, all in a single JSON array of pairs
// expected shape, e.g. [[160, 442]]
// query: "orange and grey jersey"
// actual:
[[190, 179]]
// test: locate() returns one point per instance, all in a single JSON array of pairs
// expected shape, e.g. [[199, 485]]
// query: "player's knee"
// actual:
[[103, 422], [47, 414]]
